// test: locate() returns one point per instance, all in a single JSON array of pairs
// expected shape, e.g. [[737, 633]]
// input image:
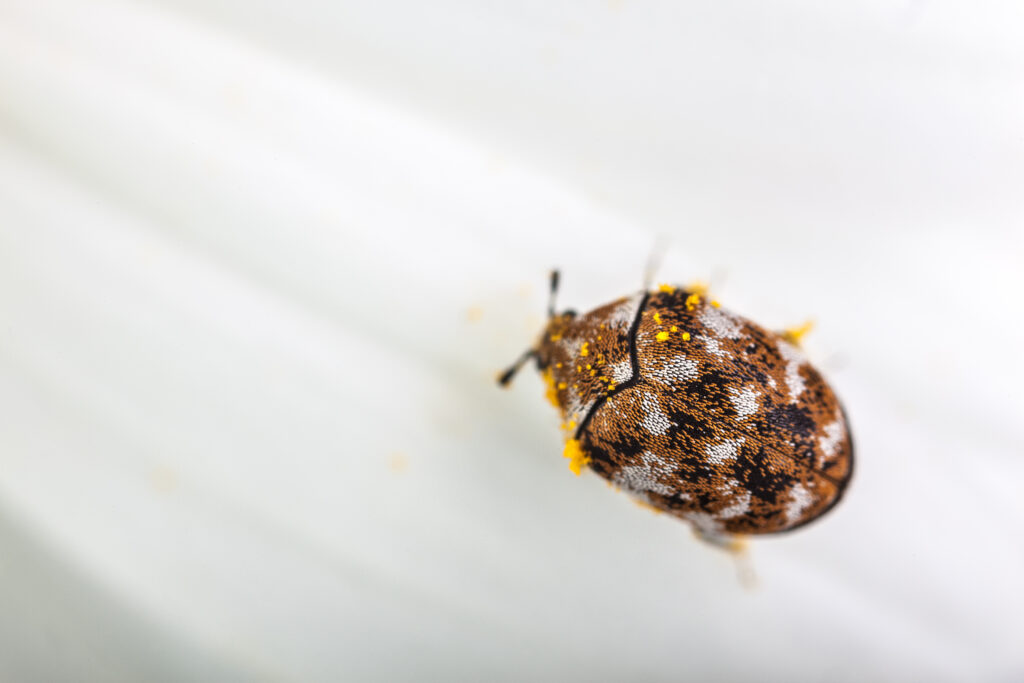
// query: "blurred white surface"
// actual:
[[260, 262]]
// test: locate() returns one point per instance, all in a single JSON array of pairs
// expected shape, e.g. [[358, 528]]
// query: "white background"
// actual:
[[259, 263]]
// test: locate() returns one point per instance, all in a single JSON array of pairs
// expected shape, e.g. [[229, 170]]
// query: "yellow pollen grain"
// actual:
[[593, 372], [558, 365], [588, 366], [577, 458], [611, 386], [686, 336], [657, 318], [668, 289], [562, 385], [579, 369], [598, 337], [714, 302], [661, 336], [398, 462], [673, 329], [555, 337], [647, 506], [692, 301], [585, 351]]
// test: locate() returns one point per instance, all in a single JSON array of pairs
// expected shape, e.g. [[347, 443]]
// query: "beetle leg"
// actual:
[[654, 260], [720, 539], [737, 547]]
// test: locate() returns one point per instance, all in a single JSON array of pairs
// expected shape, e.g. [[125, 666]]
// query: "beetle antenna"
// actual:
[[507, 376], [554, 292], [654, 260]]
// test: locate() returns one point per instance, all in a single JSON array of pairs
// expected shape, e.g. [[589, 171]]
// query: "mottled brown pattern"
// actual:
[[731, 428]]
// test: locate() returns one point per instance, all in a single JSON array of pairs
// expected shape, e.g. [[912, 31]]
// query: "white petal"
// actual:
[[259, 263]]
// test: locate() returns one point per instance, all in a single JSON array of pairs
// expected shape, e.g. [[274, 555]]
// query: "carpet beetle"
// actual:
[[695, 411]]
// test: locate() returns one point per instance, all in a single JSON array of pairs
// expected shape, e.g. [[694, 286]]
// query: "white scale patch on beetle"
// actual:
[[800, 499], [727, 450], [745, 401], [738, 508], [620, 372], [572, 347], [794, 359], [676, 369], [574, 403], [834, 433], [624, 314], [643, 478], [714, 347], [722, 323], [707, 524], [655, 420]]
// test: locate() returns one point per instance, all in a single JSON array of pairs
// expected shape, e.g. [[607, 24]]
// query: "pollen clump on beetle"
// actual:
[[550, 393], [794, 334], [584, 351], [661, 336], [667, 289], [577, 458], [692, 301], [699, 287]]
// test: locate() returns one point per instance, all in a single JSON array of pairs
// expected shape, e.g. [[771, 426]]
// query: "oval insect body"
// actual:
[[697, 412]]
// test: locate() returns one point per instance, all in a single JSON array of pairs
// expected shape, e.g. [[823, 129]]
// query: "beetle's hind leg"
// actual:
[[739, 550]]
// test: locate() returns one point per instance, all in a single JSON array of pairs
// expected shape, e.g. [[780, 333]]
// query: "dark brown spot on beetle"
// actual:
[[793, 418]]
